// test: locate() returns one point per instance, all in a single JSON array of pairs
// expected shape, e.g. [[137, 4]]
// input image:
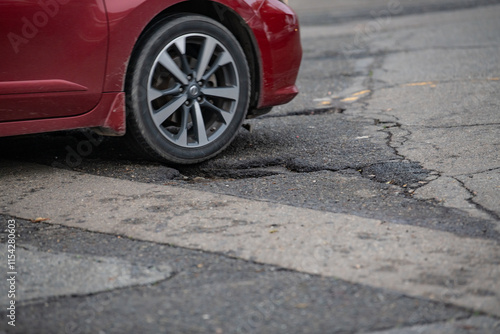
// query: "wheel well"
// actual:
[[231, 21]]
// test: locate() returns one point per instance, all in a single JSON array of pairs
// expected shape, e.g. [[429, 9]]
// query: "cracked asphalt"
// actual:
[[212, 293], [369, 204]]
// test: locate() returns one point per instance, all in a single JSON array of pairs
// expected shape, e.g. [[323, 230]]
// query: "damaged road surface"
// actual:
[[369, 204]]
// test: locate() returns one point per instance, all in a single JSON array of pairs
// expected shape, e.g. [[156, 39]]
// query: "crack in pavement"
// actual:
[[471, 200], [37, 302], [404, 137], [400, 134], [308, 112], [479, 172]]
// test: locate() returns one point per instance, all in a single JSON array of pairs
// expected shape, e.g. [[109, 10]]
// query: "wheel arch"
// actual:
[[225, 16]]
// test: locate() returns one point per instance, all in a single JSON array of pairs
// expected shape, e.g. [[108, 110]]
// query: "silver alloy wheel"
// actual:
[[193, 90]]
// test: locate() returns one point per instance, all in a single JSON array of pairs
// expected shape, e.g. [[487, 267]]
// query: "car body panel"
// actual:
[[278, 35], [53, 57], [78, 82], [108, 117]]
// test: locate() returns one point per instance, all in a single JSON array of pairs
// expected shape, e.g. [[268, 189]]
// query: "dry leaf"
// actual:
[[39, 219]]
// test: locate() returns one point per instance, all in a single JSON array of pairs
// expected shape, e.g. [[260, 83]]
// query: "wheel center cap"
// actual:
[[194, 91]]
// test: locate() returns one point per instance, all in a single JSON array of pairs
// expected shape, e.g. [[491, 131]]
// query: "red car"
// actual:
[[177, 77]]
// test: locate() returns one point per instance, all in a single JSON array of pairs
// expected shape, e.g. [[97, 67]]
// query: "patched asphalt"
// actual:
[[209, 293]]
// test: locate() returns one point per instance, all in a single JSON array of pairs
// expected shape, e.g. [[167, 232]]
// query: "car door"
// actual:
[[52, 57]]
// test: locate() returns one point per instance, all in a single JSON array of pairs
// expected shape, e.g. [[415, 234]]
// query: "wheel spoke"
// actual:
[[206, 53], [227, 116], [166, 111], [180, 43], [223, 59], [230, 93], [166, 61], [154, 93], [199, 125], [181, 137]]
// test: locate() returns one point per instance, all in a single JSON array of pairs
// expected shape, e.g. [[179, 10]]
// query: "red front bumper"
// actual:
[[276, 28]]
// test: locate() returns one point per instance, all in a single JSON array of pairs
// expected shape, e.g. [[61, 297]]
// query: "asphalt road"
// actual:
[[369, 204]]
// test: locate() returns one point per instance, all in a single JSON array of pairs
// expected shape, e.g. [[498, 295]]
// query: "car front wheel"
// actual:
[[187, 90]]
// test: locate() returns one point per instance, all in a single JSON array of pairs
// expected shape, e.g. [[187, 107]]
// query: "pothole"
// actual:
[[309, 112], [403, 174]]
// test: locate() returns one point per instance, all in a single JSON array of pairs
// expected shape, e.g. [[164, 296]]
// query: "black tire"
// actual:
[[174, 113]]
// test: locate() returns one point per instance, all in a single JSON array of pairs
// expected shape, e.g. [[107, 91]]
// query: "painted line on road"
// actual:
[[356, 96]]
